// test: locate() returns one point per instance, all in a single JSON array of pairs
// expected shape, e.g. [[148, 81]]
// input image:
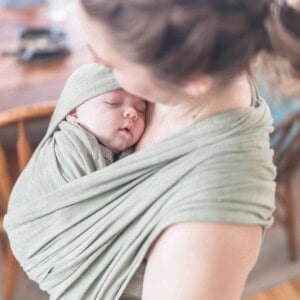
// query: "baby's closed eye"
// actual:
[[141, 111], [141, 108], [113, 103]]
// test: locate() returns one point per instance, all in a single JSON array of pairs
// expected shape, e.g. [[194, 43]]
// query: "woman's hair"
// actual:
[[180, 39]]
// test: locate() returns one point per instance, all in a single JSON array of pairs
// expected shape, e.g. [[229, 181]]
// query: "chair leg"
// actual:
[[11, 268], [3, 244], [290, 222]]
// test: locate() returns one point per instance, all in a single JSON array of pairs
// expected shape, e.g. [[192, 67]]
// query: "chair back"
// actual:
[[285, 141], [18, 116]]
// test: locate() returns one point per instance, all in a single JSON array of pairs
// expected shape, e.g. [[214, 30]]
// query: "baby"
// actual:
[[116, 119], [101, 124]]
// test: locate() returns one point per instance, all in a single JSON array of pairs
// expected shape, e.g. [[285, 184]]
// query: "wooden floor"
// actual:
[[287, 291]]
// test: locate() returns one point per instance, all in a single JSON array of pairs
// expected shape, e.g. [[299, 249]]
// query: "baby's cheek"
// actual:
[[141, 128], [144, 123]]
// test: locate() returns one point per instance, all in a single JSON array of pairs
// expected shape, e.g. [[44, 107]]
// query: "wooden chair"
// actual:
[[286, 138], [18, 116]]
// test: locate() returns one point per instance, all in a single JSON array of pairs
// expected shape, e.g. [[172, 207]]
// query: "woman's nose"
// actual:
[[130, 113]]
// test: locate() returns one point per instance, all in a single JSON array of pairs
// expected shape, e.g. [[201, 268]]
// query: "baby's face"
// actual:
[[116, 119]]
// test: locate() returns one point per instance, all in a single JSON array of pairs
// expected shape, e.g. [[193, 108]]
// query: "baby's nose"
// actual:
[[130, 113]]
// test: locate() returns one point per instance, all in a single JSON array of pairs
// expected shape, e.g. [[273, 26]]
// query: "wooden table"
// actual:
[[22, 84]]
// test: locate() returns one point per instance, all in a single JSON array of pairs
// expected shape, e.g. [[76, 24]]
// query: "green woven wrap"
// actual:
[[84, 239]]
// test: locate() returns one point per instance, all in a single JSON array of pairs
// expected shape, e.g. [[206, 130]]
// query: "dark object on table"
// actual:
[[39, 45]]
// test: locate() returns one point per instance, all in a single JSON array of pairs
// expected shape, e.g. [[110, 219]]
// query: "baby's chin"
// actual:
[[116, 149], [121, 149], [118, 143]]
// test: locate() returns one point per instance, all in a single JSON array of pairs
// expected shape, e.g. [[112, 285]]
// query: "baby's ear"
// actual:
[[72, 116]]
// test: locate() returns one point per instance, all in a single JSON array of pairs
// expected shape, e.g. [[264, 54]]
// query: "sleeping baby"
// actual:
[[104, 127], [116, 119]]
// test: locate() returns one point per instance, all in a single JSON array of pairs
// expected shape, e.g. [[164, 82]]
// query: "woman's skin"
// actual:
[[189, 260]]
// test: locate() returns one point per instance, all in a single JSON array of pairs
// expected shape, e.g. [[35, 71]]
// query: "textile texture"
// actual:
[[83, 237]]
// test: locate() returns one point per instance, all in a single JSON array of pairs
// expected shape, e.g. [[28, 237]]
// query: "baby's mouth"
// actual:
[[127, 131]]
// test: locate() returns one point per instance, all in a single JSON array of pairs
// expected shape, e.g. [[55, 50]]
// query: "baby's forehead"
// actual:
[[121, 95]]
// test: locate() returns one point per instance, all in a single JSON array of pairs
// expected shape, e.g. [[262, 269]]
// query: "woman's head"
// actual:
[[179, 41]]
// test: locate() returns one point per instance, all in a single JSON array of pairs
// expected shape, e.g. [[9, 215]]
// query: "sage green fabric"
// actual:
[[85, 238]]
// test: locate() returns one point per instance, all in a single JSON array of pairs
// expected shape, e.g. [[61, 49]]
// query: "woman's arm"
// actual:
[[206, 261]]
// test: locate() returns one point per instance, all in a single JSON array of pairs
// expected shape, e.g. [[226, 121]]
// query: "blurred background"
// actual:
[[41, 44]]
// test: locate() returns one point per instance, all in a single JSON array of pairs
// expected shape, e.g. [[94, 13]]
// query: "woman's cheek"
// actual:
[[130, 83]]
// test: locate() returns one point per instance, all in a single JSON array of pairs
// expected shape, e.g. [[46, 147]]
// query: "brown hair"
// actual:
[[179, 39]]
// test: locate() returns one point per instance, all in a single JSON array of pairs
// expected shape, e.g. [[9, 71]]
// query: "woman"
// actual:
[[194, 198], [189, 58]]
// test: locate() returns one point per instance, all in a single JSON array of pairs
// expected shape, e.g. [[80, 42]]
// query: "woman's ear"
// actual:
[[198, 86], [72, 116]]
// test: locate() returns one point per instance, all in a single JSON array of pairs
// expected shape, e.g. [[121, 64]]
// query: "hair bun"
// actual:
[[284, 33]]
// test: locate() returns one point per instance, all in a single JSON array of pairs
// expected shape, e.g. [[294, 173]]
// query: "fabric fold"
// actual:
[[85, 238]]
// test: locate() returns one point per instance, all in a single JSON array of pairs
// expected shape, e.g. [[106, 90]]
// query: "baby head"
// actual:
[[115, 117]]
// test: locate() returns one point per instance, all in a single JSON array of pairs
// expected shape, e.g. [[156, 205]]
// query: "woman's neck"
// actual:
[[164, 121]]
